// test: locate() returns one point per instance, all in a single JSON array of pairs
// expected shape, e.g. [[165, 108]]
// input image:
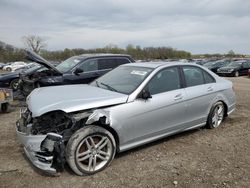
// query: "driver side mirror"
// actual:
[[78, 71], [145, 94]]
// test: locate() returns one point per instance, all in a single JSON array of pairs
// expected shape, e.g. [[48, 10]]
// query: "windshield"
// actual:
[[123, 79], [68, 64], [234, 64]]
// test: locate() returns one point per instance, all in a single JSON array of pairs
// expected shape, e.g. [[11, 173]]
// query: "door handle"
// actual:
[[178, 97], [209, 89]]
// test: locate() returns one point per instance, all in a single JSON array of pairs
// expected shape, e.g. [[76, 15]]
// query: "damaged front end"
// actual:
[[41, 77], [44, 138]]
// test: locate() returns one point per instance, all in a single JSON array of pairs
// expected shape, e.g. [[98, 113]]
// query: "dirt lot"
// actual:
[[199, 158]]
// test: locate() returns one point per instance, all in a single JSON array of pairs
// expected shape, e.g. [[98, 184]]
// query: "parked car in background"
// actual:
[[215, 65], [14, 65], [235, 68], [134, 104], [201, 61], [27, 66], [80, 69], [11, 79], [2, 65]]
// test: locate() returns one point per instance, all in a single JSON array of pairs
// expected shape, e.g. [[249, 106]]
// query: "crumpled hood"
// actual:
[[71, 98], [41, 61]]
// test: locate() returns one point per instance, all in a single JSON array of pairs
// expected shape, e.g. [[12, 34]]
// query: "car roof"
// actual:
[[85, 56], [157, 64]]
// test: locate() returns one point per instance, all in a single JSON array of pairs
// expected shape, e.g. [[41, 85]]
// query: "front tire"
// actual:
[[216, 115], [14, 84], [236, 74], [90, 150]]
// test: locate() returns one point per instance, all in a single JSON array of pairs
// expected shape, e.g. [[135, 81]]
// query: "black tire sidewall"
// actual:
[[12, 83], [211, 113]]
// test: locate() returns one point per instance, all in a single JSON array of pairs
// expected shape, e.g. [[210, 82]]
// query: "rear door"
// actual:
[[200, 92]]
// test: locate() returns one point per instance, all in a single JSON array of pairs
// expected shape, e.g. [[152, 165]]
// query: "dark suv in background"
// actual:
[[235, 68], [80, 69], [215, 65]]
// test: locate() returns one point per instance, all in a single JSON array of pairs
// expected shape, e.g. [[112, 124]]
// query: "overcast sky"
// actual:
[[198, 26]]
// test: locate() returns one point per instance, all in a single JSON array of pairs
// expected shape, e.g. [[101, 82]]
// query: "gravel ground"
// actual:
[[198, 158]]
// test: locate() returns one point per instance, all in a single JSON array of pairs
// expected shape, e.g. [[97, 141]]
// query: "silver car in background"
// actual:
[[86, 125]]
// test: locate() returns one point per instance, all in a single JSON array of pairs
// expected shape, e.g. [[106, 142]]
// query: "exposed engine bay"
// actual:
[[31, 81], [55, 122], [39, 74]]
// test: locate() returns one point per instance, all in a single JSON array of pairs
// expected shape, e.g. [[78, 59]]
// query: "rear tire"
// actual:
[[90, 150], [216, 115]]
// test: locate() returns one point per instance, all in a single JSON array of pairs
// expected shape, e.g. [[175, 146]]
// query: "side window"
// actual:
[[106, 63], [89, 65], [165, 80], [121, 61], [193, 76], [208, 78], [245, 65]]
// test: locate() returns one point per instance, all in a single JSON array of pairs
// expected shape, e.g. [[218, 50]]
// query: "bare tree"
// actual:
[[35, 43]]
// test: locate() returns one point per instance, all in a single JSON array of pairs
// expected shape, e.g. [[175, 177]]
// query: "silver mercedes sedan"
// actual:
[[134, 104]]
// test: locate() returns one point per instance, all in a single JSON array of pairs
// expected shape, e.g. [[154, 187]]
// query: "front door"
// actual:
[[90, 72], [155, 117]]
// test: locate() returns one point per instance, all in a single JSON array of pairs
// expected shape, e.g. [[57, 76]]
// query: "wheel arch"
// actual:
[[112, 131]]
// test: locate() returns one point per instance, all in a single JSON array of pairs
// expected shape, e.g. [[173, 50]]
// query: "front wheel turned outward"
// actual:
[[90, 150], [216, 115], [14, 84]]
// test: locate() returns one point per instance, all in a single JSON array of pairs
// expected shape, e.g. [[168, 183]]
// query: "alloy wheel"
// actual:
[[94, 152], [218, 115]]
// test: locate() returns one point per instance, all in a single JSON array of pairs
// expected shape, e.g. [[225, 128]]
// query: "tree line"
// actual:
[[136, 52], [9, 53]]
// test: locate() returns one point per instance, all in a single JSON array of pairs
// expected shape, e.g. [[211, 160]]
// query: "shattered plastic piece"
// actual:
[[97, 114]]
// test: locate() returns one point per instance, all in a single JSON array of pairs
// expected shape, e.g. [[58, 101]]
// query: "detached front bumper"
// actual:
[[32, 146]]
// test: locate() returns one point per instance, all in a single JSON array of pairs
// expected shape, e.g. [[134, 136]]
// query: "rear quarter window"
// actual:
[[193, 76], [196, 76], [111, 63], [208, 78]]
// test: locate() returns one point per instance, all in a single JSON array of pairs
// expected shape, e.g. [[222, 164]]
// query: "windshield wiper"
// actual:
[[97, 83], [109, 87]]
